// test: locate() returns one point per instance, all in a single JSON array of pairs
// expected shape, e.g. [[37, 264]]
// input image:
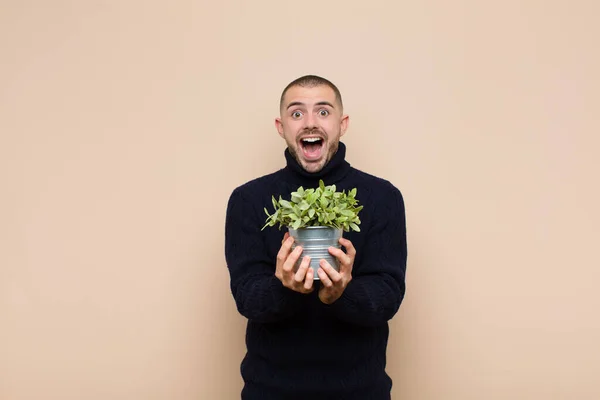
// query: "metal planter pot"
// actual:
[[315, 240]]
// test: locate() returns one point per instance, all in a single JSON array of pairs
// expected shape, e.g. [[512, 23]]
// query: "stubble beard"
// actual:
[[310, 167]]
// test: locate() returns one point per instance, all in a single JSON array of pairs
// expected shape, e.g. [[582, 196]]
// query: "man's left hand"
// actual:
[[333, 283]]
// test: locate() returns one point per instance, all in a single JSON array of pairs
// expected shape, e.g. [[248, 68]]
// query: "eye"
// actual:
[[323, 113], [296, 114]]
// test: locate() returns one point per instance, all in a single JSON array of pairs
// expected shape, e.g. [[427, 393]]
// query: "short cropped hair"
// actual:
[[312, 81]]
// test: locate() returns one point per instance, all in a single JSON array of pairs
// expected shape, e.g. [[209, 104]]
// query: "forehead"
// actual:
[[309, 95]]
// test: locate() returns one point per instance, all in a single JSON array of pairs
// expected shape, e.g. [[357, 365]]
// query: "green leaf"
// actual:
[[323, 206], [296, 224], [285, 203]]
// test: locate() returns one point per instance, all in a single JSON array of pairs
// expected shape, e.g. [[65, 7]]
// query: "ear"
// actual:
[[279, 126], [344, 121]]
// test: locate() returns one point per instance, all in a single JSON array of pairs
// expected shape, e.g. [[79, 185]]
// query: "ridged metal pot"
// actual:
[[315, 240]]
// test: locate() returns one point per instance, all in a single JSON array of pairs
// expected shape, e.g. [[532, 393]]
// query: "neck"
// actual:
[[335, 170]]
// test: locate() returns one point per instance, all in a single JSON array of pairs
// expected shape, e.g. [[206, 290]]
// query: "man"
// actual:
[[306, 338]]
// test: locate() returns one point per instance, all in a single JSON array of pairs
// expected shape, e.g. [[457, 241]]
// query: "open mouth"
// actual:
[[312, 147]]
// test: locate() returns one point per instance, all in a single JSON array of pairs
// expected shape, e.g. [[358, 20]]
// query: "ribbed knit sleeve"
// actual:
[[377, 289], [258, 294]]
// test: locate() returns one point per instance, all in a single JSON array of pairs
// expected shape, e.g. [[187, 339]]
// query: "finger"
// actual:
[[325, 281], [332, 274], [284, 251], [350, 250], [308, 282], [289, 263], [285, 236], [340, 255], [301, 273]]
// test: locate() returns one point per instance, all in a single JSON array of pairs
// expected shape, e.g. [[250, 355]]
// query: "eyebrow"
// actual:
[[320, 103]]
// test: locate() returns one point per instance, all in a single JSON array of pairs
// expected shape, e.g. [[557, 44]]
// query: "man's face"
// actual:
[[311, 123]]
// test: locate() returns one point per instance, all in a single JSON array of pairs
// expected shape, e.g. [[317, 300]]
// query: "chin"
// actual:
[[313, 167]]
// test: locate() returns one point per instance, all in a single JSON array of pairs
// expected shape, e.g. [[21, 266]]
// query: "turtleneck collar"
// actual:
[[334, 171]]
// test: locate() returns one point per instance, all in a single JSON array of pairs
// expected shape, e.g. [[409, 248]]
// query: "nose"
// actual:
[[310, 121]]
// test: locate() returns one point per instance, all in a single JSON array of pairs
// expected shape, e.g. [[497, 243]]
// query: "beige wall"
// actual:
[[124, 126]]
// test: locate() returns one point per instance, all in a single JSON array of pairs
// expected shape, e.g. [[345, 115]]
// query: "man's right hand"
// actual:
[[300, 281]]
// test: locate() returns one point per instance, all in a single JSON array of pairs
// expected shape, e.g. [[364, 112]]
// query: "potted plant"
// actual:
[[316, 219]]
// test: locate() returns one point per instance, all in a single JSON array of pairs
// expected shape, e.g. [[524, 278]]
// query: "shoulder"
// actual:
[[383, 201], [375, 186], [256, 188]]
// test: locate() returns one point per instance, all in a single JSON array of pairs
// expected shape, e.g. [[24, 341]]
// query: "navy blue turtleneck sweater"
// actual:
[[298, 346]]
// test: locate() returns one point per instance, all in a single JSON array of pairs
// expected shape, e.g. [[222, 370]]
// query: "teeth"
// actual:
[[311, 140]]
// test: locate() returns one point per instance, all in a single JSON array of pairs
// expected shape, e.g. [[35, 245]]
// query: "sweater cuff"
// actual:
[[340, 304], [283, 296]]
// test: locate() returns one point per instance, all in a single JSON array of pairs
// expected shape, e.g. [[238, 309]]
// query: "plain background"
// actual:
[[125, 125]]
